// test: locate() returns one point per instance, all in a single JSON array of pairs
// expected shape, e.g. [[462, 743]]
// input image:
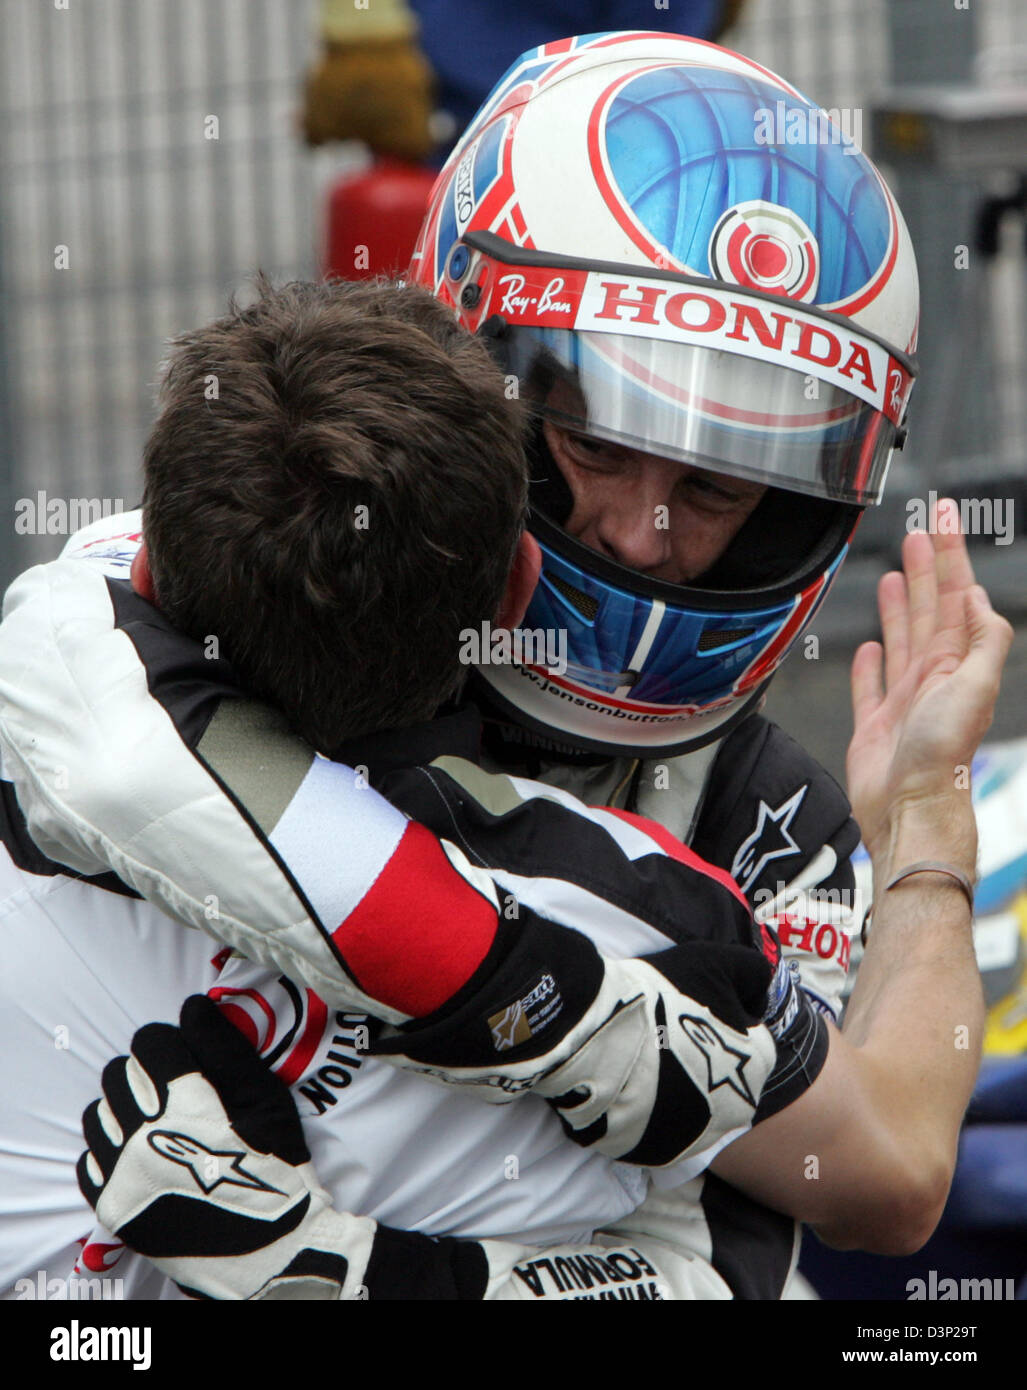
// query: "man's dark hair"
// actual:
[[334, 487]]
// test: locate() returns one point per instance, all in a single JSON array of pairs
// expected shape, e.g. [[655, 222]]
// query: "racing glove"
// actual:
[[197, 1160], [654, 1061]]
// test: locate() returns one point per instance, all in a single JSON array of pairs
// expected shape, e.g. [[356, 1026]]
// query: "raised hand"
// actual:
[[923, 701]]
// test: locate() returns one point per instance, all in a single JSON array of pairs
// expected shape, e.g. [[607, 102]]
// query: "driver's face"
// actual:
[[667, 519]]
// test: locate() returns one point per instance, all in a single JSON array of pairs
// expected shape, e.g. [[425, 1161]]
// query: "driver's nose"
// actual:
[[634, 524]]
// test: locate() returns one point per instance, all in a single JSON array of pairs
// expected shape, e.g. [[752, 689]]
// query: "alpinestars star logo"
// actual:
[[770, 840], [724, 1065], [506, 1027], [209, 1167]]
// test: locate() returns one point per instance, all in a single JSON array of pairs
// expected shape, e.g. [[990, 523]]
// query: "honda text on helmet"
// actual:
[[663, 283]]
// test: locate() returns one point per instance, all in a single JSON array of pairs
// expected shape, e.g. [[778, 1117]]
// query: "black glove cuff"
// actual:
[[524, 1000], [408, 1265]]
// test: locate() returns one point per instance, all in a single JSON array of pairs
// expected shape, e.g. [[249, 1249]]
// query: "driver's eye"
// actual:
[[597, 450], [698, 484]]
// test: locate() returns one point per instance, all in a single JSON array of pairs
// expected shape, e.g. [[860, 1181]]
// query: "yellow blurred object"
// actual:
[[342, 21], [1005, 1033], [372, 82]]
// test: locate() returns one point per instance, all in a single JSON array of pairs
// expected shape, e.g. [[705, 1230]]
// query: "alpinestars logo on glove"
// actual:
[[723, 1064], [525, 1017], [207, 1165]]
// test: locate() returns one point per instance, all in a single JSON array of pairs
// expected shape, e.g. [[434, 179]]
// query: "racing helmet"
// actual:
[[671, 250]]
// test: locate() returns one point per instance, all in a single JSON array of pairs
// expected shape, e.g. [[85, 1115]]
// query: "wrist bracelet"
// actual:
[[923, 866]]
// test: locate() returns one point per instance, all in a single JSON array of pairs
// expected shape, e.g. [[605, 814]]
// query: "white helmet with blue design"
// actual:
[[673, 251]]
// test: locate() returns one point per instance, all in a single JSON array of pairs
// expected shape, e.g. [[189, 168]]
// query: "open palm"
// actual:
[[923, 703]]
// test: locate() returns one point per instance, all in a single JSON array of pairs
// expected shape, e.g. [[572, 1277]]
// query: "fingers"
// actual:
[[106, 1128], [102, 1149], [918, 562], [954, 568], [216, 1043], [937, 574], [90, 1177], [893, 606], [259, 1104], [135, 1090], [159, 1056], [118, 1110], [955, 575], [990, 639], [867, 690]]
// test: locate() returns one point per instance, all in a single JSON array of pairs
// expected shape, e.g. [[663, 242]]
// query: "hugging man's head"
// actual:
[[334, 487]]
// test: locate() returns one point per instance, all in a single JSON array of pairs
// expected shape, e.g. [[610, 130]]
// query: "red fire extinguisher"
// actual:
[[374, 218]]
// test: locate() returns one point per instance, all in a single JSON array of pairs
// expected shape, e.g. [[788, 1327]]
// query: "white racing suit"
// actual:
[[766, 804]]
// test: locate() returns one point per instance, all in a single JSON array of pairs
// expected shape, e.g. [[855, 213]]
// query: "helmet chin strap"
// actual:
[[509, 741]]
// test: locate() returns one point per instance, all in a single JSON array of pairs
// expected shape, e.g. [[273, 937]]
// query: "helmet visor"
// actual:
[[751, 419], [753, 385]]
